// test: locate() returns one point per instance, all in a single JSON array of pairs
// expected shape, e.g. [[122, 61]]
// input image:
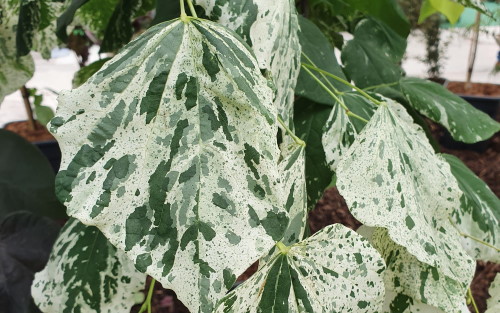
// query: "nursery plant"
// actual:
[[203, 144]]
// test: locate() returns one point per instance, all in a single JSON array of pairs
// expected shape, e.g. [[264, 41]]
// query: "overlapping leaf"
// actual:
[[494, 291], [271, 29], [14, 71], [372, 57], [423, 283], [309, 120], [464, 122], [292, 172], [341, 130], [25, 243], [162, 154], [478, 214], [391, 178], [335, 270], [318, 52], [85, 273]]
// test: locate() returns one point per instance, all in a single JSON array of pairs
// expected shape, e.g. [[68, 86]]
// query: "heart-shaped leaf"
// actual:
[[26, 179], [163, 156], [372, 57], [464, 122], [25, 243], [85, 273], [478, 214], [391, 178], [335, 270]]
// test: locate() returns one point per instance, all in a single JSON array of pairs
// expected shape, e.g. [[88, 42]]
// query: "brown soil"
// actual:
[[22, 128], [474, 89]]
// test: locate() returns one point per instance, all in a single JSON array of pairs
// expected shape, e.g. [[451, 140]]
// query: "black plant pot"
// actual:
[[490, 106], [52, 152]]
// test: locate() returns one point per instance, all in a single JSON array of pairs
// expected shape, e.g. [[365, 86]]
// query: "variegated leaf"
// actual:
[[494, 301], [292, 171], [174, 157], [478, 214], [14, 71], [335, 270], [391, 178], [401, 303], [406, 275], [398, 287], [45, 39], [341, 130], [271, 29], [85, 273], [464, 122]]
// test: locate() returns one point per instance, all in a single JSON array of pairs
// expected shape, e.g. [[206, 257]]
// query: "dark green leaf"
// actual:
[[119, 30], [166, 10], [464, 122], [87, 71], [26, 178], [318, 51], [388, 11], [372, 57], [309, 120], [25, 243]]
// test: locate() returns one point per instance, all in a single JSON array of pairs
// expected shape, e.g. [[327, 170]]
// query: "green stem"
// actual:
[[295, 138], [380, 86], [191, 8], [147, 303], [184, 16], [333, 95], [469, 292], [343, 81], [474, 238], [322, 75]]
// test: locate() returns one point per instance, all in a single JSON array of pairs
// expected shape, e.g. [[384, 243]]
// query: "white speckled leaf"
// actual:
[[401, 303], [14, 71], [493, 302], [271, 29], [464, 122], [292, 171], [478, 214], [391, 178], [45, 39], [335, 270], [85, 273], [341, 130], [170, 149], [405, 274]]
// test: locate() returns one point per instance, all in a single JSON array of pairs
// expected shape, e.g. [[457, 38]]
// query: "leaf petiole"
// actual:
[[334, 96], [343, 81], [147, 303], [295, 138]]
